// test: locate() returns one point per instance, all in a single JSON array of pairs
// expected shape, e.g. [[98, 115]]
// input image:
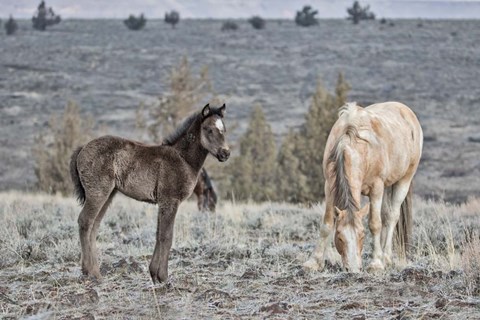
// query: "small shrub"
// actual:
[[306, 17], [257, 22], [44, 17], [172, 18], [11, 26], [383, 21], [229, 26], [54, 147], [185, 93], [357, 13], [134, 23]]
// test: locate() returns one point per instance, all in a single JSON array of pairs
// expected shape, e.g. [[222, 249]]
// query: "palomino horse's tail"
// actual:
[[403, 229], [77, 184]]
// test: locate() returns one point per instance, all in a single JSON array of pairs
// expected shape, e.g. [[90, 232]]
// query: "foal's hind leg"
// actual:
[[93, 205], [94, 231]]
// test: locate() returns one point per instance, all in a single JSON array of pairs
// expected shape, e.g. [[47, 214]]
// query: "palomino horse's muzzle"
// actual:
[[223, 154]]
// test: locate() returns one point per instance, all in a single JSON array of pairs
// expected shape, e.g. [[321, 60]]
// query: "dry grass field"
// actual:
[[242, 262]]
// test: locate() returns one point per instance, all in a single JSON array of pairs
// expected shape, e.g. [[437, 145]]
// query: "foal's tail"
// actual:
[[77, 184]]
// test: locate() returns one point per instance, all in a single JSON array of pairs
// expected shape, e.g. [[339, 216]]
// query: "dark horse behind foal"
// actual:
[[205, 192], [164, 174]]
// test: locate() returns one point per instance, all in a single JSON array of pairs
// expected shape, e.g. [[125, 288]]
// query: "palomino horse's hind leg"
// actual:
[[317, 260], [166, 219], [400, 191], [86, 219], [375, 225]]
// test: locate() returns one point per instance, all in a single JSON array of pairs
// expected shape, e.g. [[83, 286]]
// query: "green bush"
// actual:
[[44, 17], [134, 23], [306, 17], [357, 13], [172, 18], [257, 22], [11, 26]]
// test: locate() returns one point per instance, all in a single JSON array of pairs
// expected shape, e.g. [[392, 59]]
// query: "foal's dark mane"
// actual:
[[173, 137]]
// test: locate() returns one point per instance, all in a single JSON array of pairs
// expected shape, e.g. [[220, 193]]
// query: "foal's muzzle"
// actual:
[[223, 154]]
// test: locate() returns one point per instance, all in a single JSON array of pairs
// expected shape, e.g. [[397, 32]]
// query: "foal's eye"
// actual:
[[209, 131]]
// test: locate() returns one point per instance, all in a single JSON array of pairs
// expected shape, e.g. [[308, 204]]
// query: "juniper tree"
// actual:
[[257, 22], [357, 13], [11, 26], [172, 18], [306, 17], [313, 134], [134, 23], [252, 172], [186, 91], [291, 183]]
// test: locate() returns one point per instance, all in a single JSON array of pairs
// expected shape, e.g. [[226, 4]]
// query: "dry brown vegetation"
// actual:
[[243, 262], [54, 147]]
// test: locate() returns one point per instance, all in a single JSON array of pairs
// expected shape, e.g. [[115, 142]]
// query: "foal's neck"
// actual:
[[190, 147]]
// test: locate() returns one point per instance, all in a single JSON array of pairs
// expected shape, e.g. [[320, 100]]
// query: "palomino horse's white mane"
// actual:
[[341, 188]]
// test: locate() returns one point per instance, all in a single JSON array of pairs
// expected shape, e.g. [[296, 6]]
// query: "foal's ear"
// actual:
[[206, 110], [222, 110]]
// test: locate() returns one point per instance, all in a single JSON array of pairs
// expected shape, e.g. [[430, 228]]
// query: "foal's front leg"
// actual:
[[166, 218]]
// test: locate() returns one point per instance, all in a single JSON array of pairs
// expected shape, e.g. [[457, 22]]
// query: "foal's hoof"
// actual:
[[158, 277], [97, 279], [91, 274], [312, 265], [387, 260], [376, 266]]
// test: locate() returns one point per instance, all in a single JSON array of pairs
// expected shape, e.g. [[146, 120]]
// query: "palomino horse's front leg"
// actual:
[[375, 225], [317, 260], [166, 219]]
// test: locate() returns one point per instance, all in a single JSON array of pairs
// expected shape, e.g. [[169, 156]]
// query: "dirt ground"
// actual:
[[244, 262]]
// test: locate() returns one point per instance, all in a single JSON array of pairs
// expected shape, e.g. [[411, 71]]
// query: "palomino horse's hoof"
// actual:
[[376, 266], [387, 260], [312, 265]]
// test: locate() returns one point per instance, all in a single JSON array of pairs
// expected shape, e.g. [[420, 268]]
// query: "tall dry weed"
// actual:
[[53, 148], [471, 264]]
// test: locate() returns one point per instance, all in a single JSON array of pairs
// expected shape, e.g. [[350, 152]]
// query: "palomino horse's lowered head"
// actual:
[[212, 134], [349, 236]]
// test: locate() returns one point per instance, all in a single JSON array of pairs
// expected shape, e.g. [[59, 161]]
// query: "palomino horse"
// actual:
[[372, 151], [163, 174], [206, 195]]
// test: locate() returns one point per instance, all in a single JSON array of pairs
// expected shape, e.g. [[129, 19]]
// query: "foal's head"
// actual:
[[212, 136], [349, 235]]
